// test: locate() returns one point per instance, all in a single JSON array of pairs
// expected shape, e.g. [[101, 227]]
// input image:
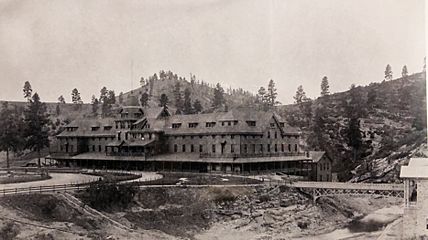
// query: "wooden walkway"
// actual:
[[319, 189]]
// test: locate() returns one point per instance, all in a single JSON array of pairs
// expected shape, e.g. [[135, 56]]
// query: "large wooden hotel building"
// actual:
[[237, 141]]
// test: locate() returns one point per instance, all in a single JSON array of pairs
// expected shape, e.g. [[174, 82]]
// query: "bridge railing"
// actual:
[[344, 185]]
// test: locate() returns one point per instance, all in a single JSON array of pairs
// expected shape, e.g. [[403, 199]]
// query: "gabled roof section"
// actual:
[[316, 156], [84, 128]]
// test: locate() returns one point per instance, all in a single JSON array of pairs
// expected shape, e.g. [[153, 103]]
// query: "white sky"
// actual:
[[88, 44]]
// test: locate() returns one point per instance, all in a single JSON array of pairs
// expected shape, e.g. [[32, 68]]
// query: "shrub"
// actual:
[[9, 231], [224, 197], [106, 196], [264, 198]]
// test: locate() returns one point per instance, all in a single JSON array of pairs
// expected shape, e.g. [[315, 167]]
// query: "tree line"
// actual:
[[24, 129]]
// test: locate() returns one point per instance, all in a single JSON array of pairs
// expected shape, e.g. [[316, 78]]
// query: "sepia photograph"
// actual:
[[213, 120]]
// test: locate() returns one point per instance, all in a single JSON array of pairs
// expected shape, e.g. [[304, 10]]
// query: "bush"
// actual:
[[47, 207], [224, 196], [264, 198], [107, 196], [9, 231]]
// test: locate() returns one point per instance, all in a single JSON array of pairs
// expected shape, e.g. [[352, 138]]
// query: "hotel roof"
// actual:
[[417, 168]]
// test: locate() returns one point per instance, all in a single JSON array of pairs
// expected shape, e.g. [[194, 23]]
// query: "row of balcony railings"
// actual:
[[252, 155]]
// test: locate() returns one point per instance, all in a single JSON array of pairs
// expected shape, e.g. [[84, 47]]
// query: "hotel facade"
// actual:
[[237, 141]]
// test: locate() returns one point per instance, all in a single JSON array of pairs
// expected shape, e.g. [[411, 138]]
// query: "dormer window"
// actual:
[[193, 125], [251, 123], [95, 128], [282, 124], [176, 125], [71, 129], [210, 124], [124, 115], [107, 128], [272, 125], [137, 115]]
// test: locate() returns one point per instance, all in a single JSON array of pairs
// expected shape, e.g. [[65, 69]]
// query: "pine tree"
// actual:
[[371, 98], [142, 82], [103, 95], [144, 100], [178, 97], [27, 90], [404, 72], [388, 73], [325, 87], [424, 67], [61, 99], [300, 95], [218, 100], [36, 121], [10, 131], [111, 97], [163, 100], [272, 94], [121, 98], [75, 97], [187, 108], [94, 103], [197, 106]]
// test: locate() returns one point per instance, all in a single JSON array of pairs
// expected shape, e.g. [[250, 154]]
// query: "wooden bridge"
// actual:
[[319, 189]]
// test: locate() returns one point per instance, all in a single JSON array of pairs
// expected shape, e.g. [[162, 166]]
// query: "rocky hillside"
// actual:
[[392, 126]]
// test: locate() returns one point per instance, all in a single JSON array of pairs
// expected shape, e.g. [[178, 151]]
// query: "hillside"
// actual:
[[393, 127], [202, 91]]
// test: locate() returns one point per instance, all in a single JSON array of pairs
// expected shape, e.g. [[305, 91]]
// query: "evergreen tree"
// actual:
[[27, 90], [10, 131], [272, 94], [197, 106], [36, 121], [325, 87], [218, 100], [187, 108], [111, 97], [75, 97], [121, 98], [388, 73], [61, 99], [261, 98], [178, 97], [163, 100], [354, 111], [424, 67], [94, 103], [300, 95], [144, 100], [404, 72], [142, 82], [103, 95], [371, 98]]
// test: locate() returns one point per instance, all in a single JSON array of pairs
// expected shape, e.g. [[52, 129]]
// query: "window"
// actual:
[[137, 115], [253, 146], [268, 147], [201, 148], [99, 148], [281, 124], [245, 148], [295, 147], [272, 125], [192, 148], [261, 147], [289, 147], [93, 148], [229, 123], [107, 128], [232, 136], [276, 135], [183, 148], [282, 147], [222, 123], [210, 124], [119, 136], [193, 125], [175, 148], [71, 148], [276, 148], [213, 148], [232, 148], [251, 123], [95, 128], [268, 134], [150, 136], [60, 148], [235, 122], [176, 125]]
